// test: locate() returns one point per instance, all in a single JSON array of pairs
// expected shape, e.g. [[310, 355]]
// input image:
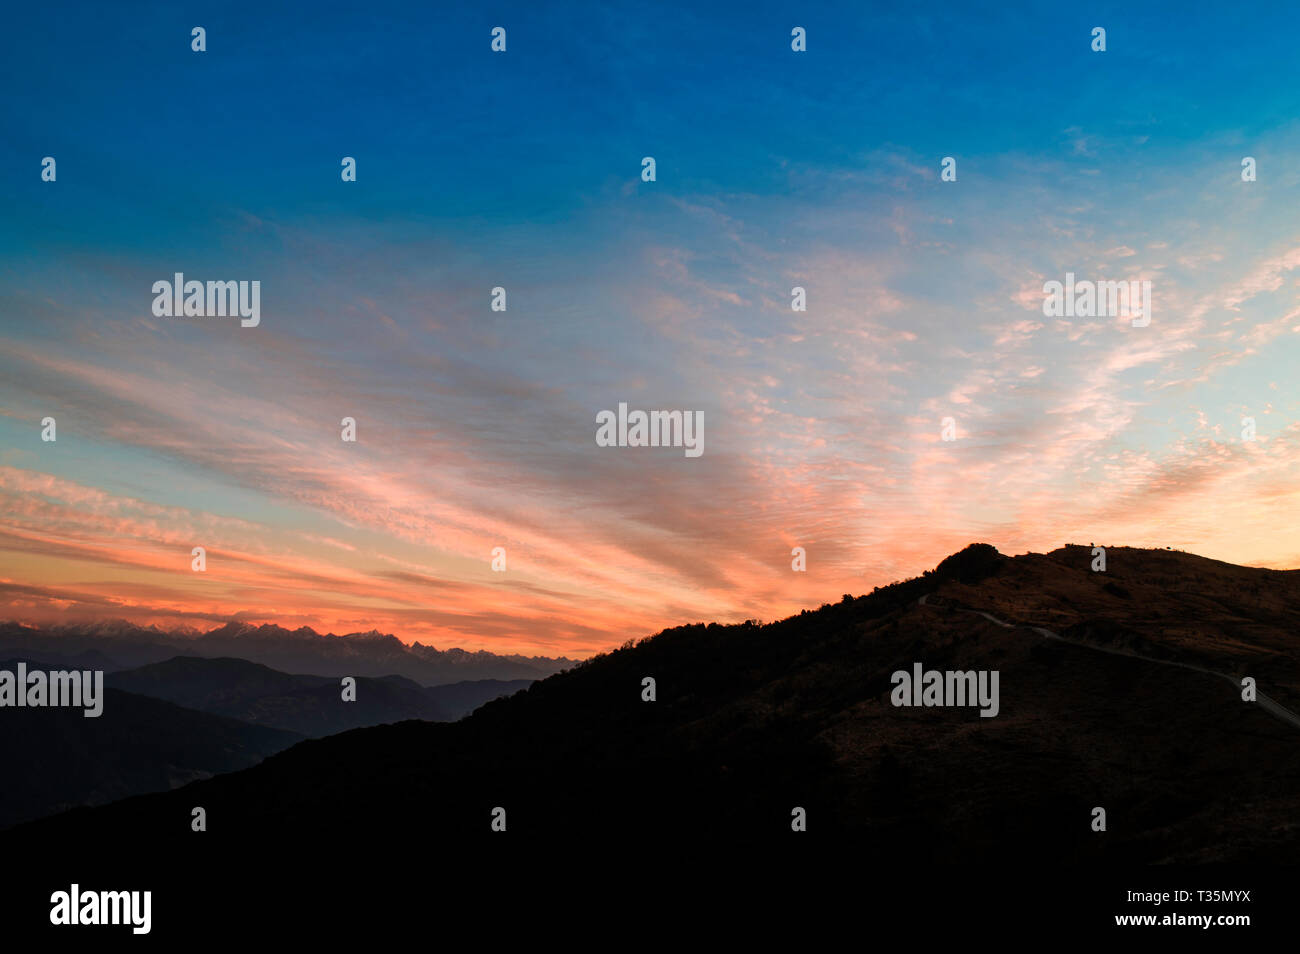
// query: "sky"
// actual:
[[523, 170]]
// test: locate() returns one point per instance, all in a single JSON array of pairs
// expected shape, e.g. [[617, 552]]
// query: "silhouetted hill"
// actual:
[[977, 562], [752, 721], [55, 758], [310, 705]]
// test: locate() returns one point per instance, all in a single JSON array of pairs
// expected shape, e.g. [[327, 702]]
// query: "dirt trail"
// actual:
[[1268, 704]]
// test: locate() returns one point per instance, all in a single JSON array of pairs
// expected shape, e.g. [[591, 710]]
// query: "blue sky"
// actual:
[[522, 170]]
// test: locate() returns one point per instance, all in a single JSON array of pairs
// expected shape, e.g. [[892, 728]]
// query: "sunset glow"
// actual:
[[476, 429]]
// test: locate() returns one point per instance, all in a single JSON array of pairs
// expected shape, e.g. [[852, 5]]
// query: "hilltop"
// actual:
[[751, 721]]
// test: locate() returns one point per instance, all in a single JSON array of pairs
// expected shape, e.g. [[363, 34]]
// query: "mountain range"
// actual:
[[168, 723], [310, 705], [123, 645], [1120, 690], [56, 759]]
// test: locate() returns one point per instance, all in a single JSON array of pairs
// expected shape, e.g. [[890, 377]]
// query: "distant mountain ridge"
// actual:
[[751, 721], [306, 704], [303, 650], [58, 759], [188, 718]]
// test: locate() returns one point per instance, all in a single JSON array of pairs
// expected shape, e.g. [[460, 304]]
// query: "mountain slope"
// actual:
[[753, 721], [310, 705], [306, 704], [56, 758]]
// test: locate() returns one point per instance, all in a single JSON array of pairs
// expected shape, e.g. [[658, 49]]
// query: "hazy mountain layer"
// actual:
[[752, 722], [298, 651]]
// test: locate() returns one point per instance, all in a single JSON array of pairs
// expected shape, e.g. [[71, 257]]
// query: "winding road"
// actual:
[[1268, 704]]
